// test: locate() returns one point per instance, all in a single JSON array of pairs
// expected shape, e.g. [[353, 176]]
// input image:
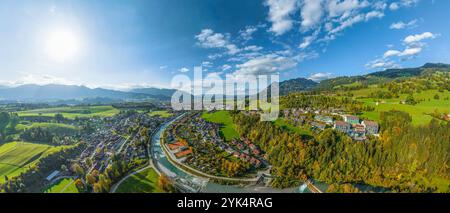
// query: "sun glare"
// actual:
[[62, 45]]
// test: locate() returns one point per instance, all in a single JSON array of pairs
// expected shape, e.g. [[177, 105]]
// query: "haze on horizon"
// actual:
[[127, 44]]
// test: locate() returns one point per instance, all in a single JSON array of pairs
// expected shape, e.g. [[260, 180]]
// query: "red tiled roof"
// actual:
[[370, 123], [183, 153], [176, 145], [342, 123]]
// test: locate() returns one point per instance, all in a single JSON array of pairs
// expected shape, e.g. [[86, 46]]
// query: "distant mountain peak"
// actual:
[[296, 85]]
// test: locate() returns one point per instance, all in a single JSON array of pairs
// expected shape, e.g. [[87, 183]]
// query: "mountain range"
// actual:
[[54, 92]]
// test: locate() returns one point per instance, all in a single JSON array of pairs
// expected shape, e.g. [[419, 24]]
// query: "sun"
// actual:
[[62, 45]]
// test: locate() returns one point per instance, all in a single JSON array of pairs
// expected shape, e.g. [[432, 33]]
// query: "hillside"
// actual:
[[296, 85], [357, 82], [155, 91]]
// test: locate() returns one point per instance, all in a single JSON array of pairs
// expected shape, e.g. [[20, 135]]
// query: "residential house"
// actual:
[[183, 153], [351, 119], [324, 119], [342, 126], [359, 130], [372, 127], [318, 125]]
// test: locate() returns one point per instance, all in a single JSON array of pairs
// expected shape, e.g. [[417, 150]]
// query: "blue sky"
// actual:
[[126, 44]]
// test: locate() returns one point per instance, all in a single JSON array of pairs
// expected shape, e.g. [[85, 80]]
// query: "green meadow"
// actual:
[[161, 113], [143, 182], [66, 185], [73, 111], [17, 157], [427, 104], [228, 128], [53, 127]]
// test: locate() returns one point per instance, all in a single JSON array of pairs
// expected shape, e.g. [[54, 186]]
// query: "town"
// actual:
[[321, 119], [198, 143]]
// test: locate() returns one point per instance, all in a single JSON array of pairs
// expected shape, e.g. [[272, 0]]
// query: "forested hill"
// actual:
[[296, 85], [382, 76]]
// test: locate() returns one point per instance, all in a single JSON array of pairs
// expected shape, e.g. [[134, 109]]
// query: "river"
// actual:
[[198, 184]]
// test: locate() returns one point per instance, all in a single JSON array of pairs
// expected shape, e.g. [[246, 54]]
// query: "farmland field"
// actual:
[[17, 157], [53, 127], [228, 128], [73, 112], [142, 182], [161, 113], [418, 112], [63, 186]]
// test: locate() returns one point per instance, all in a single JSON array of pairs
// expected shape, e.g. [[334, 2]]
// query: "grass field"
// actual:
[[66, 185], [73, 112], [142, 182], [228, 128], [161, 113], [418, 112], [17, 157], [53, 127], [299, 130]]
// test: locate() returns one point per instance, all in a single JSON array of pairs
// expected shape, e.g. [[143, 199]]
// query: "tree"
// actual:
[[4, 121], [80, 185], [14, 120], [77, 169], [59, 118], [410, 100], [436, 97], [164, 184]]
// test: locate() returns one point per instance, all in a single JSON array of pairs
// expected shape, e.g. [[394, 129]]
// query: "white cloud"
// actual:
[[184, 69], [403, 3], [306, 42], [348, 23], [409, 3], [253, 48], [394, 6], [380, 5], [418, 37], [266, 65], [232, 49], [411, 51], [311, 13], [407, 52], [215, 56], [247, 33], [207, 64], [402, 25], [226, 67], [374, 14], [209, 39], [163, 67], [320, 76], [279, 15], [413, 45], [344, 8], [391, 53], [382, 63]]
